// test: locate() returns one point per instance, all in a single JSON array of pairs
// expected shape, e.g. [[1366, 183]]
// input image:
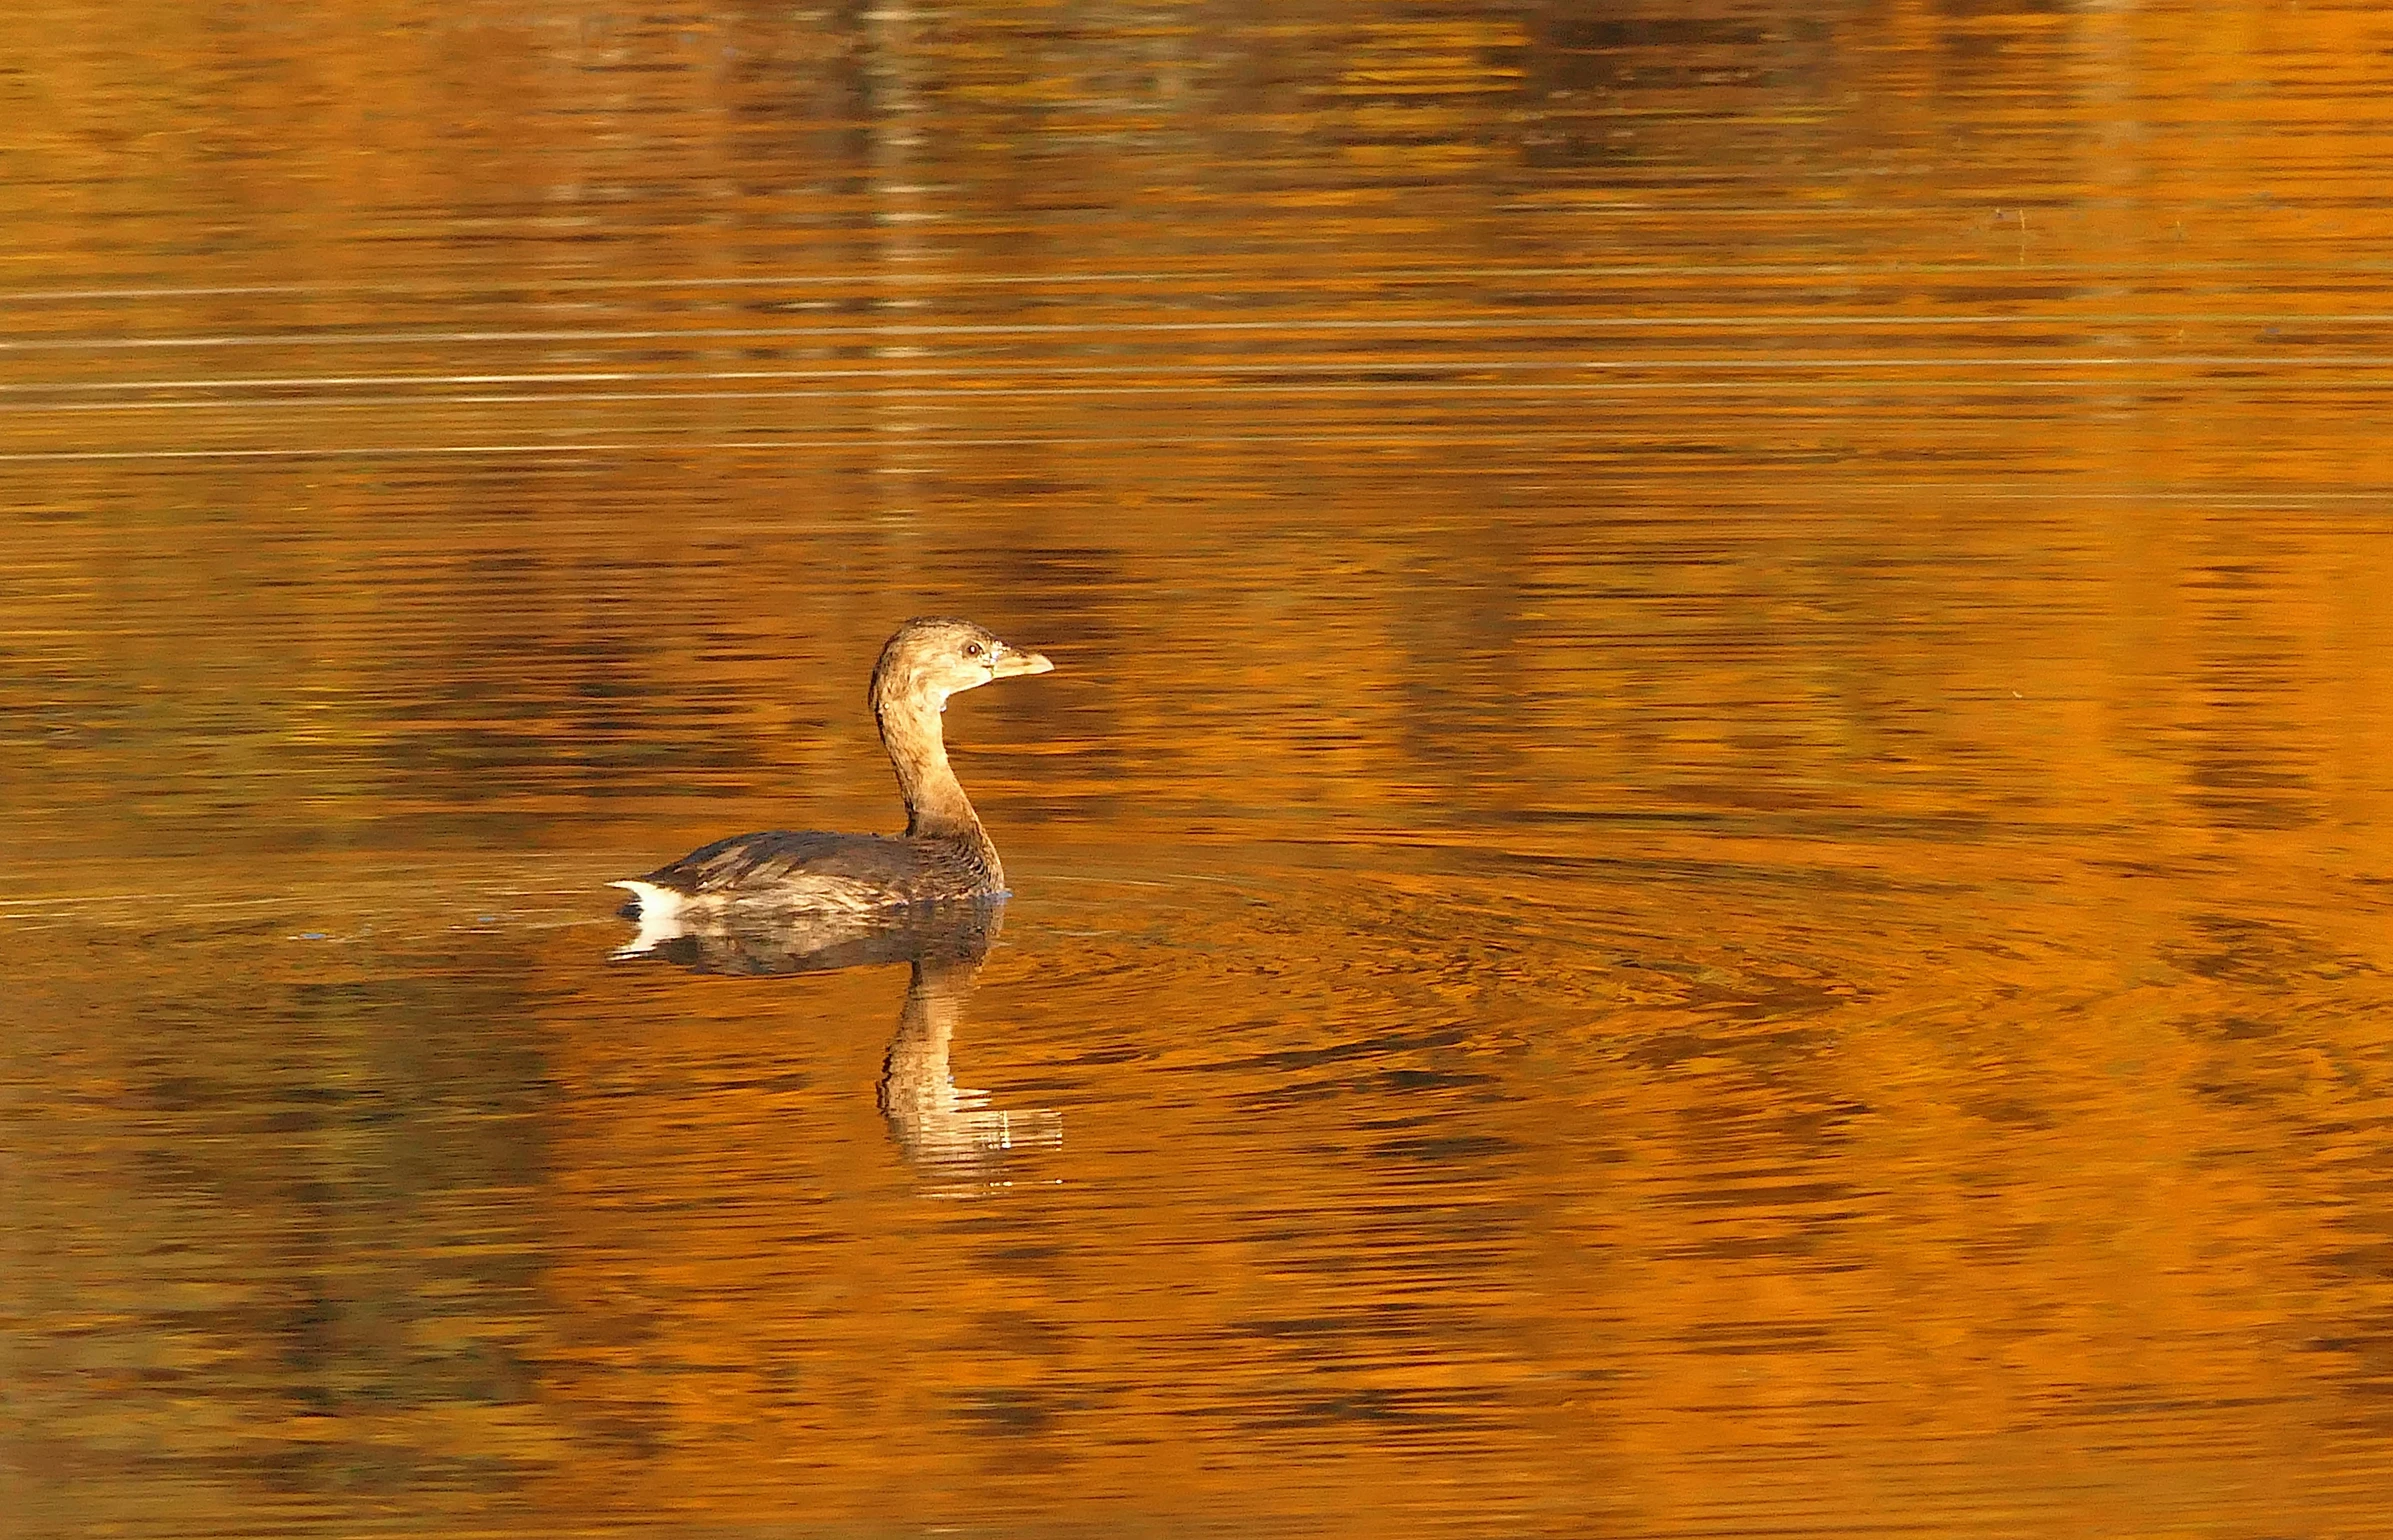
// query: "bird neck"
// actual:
[[935, 802]]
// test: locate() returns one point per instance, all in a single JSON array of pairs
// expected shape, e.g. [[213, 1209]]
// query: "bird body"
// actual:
[[944, 854]]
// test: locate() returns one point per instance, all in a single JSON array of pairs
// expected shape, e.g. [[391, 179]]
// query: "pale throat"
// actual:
[[935, 800]]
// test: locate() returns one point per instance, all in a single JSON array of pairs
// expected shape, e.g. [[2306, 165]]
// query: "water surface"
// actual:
[[1708, 853]]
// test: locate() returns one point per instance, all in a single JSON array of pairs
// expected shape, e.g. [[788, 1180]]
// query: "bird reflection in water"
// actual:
[[950, 1134]]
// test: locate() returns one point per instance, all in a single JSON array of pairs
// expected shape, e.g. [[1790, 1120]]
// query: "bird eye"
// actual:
[[972, 649]]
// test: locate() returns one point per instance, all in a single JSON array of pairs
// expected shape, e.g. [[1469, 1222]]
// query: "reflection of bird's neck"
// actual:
[[936, 807], [942, 1128], [918, 1094]]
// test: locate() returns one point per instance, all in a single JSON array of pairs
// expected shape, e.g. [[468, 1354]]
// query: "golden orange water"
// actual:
[[1710, 853]]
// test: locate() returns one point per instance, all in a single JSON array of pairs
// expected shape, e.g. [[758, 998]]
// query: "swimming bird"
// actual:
[[944, 853]]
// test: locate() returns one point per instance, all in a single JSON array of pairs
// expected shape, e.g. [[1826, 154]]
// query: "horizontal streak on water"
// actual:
[[1239, 279]]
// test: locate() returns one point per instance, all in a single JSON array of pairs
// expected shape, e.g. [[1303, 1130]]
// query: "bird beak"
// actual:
[[1008, 663]]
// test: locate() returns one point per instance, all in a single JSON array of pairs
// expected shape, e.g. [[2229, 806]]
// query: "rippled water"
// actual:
[[1708, 855]]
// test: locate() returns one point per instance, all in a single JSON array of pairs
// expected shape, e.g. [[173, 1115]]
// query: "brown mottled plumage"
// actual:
[[944, 853]]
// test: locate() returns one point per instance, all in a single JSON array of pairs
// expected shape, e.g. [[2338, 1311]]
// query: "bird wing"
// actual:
[[785, 860]]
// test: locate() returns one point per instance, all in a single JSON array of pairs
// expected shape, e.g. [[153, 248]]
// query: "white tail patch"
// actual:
[[660, 910]]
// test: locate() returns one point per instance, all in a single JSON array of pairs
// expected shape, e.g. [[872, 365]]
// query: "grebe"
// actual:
[[944, 853]]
